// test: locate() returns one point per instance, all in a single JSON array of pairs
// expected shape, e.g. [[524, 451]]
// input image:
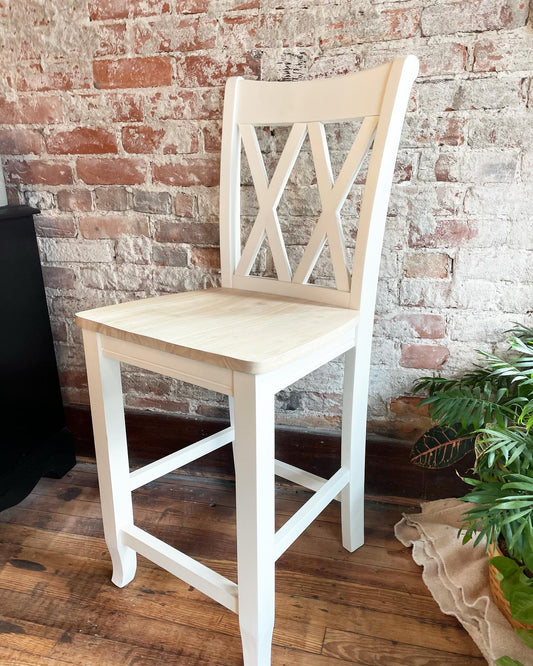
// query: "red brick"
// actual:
[[433, 265], [195, 233], [212, 134], [200, 71], [20, 141], [203, 170], [429, 357], [38, 172], [143, 139], [132, 72], [205, 257], [82, 141], [58, 277], [447, 233], [58, 226], [74, 200], [101, 10], [184, 205], [112, 226], [30, 110], [111, 171]]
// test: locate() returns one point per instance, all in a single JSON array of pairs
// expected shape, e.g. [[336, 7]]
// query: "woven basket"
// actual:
[[496, 592]]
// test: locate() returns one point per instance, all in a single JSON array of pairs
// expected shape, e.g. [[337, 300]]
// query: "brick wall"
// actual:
[[110, 124]]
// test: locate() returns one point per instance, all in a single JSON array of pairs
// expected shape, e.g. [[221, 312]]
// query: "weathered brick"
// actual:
[[55, 74], [205, 257], [58, 250], [480, 166], [20, 141], [112, 226], [111, 171], [199, 71], [111, 198], [101, 10], [55, 226], [170, 255], [201, 170], [132, 72], [81, 141], [59, 277], [473, 16], [476, 93], [430, 357], [133, 249], [38, 172], [187, 34], [195, 233], [111, 40], [112, 106], [145, 139], [442, 233], [514, 53], [432, 265], [184, 205], [74, 199], [32, 109], [151, 202], [429, 326]]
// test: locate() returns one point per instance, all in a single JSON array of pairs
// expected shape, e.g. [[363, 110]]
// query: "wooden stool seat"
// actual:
[[256, 335], [240, 330]]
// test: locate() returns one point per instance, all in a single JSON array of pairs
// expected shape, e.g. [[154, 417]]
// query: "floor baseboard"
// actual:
[[389, 473]]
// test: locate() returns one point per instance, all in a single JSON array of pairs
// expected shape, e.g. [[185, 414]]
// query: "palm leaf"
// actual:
[[441, 447]]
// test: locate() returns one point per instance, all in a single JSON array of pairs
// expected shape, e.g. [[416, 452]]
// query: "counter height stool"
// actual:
[[256, 335]]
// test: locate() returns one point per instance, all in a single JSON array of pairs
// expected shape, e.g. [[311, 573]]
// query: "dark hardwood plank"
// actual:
[[58, 606]]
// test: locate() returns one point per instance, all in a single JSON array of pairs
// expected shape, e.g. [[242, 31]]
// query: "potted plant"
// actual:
[[490, 411]]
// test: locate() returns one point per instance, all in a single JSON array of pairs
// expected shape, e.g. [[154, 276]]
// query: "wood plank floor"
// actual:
[[58, 606]]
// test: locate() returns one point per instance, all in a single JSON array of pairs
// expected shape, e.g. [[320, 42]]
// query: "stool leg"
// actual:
[[355, 396], [107, 410], [254, 480]]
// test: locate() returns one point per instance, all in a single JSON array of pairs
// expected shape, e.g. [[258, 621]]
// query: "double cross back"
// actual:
[[332, 192]]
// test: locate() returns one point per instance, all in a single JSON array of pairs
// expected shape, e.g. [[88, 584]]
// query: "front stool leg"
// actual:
[[255, 493], [107, 410]]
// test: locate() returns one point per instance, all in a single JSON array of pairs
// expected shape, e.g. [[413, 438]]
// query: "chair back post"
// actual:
[[230, 183]]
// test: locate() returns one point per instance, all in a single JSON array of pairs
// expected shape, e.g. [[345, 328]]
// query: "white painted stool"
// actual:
[[256, 335]]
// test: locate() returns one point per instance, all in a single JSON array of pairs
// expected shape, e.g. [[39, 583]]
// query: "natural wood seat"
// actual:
[[241, 330]]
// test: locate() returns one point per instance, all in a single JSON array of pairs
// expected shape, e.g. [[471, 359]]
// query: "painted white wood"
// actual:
[[335, 99], [202, 374], [179, 564], [268, 196], [143, 475], [230, 184], [299, 476], [310, 292], [292, 529], [254, 487], [353, 444], [107, 411]]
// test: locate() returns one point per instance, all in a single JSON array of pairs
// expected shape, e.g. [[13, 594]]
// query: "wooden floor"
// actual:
[[58, 606]]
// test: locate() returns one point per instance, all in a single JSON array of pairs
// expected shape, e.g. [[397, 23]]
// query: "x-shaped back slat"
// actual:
[[332, 193]]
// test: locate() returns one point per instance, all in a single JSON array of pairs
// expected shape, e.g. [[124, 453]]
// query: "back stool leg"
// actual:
[[254, 480], [107, 410], [355, 397]]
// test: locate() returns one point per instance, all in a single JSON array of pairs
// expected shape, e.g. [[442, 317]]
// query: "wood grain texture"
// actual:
[[240, 330], [58, 605]]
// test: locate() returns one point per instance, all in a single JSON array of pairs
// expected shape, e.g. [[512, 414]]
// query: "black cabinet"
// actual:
[[34, 441]]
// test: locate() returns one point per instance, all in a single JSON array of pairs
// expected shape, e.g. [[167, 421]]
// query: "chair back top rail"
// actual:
[[378, 97]]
